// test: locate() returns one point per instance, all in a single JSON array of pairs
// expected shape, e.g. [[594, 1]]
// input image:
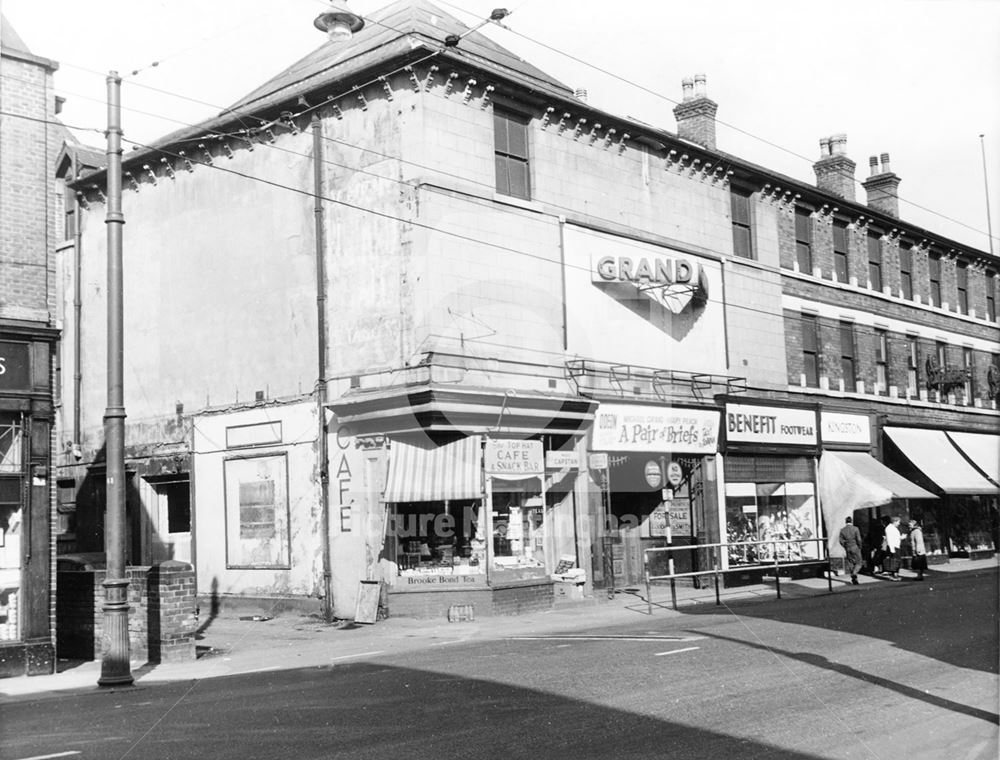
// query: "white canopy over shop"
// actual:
[[932, 452], [851, 480], [426, 472], [982, 449]]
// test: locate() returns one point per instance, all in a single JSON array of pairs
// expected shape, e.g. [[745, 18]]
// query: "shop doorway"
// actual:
[[170, 515]]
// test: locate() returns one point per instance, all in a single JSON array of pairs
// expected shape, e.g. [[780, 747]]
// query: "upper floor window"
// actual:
[[970, 375], [906, 273], [810, 350], [739, 201], [991, 299], [962, 279], [803, 238], [840, 251], [510, 139], [882, 361], [934, 267], [874, 262], [847, 369], [912, 364]]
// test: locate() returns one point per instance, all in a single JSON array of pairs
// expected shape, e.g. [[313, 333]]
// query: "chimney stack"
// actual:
[[882, 186], [834, 170], [695, 114]]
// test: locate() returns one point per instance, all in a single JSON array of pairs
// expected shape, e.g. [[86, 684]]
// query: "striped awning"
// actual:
[[425, 472]]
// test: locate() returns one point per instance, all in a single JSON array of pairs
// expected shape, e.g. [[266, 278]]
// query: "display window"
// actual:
[[783, 511], [437, 538], [519, 540], [12, 477]]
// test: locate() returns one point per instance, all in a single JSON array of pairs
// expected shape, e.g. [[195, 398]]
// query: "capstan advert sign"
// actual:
[[630, 427]]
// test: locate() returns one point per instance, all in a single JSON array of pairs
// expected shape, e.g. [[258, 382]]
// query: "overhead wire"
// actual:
[[724, 123], [637, 245]]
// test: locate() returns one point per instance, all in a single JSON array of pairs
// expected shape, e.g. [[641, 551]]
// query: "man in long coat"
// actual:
[[850, 539]]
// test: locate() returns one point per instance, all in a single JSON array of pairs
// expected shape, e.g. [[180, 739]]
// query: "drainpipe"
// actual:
[[324, 454], [77, 308]]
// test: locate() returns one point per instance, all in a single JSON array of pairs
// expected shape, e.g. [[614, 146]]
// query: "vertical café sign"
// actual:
[[14, 366]]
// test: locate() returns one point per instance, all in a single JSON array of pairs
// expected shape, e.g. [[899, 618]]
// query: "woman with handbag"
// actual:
[[919, 562], [891, 544]]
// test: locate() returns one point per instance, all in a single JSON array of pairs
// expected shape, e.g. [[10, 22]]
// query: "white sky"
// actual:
[[919, 79]]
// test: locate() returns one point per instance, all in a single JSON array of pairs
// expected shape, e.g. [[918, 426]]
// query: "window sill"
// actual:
[[511, 200]]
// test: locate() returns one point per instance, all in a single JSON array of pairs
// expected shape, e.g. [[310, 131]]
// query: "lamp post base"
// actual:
[[116, 668]]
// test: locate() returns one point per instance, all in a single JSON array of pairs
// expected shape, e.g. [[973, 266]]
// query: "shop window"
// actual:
[[518, 540], [874, 261], [10, 556], [770, 499], [510, 139], [739, 202], [882, 361], [906, 273], [437, 538], [962, 279], [803, 237], [11, 444], [912, 365], [840, 251], [810, 350], [934, 269], [847, 364]]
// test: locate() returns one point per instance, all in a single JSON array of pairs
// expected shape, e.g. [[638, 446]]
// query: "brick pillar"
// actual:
[[921, 273], [949, 283], [977, 290], [171, 612], [786, 235], [857, 253], [891, 281], [822, 243]]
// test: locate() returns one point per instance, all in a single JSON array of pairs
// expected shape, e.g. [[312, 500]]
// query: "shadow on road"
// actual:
[[952, 618], [362, 710], [846, 670]]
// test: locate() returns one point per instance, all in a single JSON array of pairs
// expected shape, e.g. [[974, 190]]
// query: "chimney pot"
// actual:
[[834, 170], [838, 143], [885, 163], [580, 94], [687, 88], [824, 147], [872, 165], [883, 188], [700, 86]]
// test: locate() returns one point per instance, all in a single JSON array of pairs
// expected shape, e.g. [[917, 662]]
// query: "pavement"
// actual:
[[230, 645]]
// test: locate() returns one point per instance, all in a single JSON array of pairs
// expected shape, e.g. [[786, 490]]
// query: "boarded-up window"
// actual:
[[257, 518]]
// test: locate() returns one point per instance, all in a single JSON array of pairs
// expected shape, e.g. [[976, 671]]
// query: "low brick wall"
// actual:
[[161, 622], [509, 599]]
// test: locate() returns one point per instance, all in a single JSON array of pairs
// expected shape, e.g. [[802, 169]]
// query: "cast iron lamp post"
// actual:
[[115, 666]]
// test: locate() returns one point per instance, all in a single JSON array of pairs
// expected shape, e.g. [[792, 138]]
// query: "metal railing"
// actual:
[[773, 554]]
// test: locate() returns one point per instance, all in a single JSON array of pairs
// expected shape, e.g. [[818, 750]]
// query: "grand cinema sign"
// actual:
[[669, 280]]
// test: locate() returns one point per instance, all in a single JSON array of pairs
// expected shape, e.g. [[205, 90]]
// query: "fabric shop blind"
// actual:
[[425, 472]]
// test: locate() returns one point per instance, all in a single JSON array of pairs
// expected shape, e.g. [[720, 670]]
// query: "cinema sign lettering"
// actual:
[[660, 277]]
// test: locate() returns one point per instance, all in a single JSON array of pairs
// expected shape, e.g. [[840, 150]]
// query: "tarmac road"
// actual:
[[905, 670]]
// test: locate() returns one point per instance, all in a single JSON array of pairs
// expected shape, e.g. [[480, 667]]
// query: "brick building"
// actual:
[[412, 311], [29, 220]]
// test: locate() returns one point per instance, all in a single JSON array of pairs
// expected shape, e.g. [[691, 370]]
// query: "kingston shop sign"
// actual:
[[631, 427]]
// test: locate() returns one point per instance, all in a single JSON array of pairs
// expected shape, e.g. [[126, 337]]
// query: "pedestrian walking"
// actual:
[[890, 547], [919, 561], [850, 539]]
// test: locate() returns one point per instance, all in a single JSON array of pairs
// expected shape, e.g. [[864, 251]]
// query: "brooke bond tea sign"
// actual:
[[630, 427]]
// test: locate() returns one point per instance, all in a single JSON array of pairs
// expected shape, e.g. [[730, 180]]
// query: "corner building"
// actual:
[[534, 318]]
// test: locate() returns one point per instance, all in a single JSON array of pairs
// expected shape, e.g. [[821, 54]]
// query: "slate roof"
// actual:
[[405, 31]]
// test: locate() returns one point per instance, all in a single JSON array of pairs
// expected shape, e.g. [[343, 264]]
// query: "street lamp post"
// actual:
[[115, 666]]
